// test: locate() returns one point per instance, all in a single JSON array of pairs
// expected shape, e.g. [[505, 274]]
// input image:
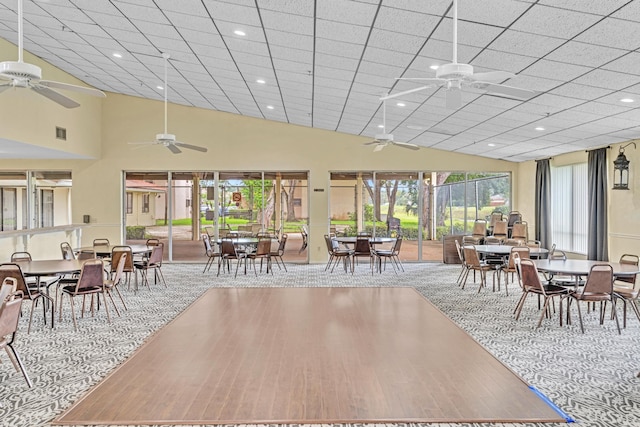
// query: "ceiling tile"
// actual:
[[554, 22]]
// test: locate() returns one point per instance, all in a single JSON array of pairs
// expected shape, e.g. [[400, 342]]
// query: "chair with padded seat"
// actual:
[[475, 264], [597, 288], [530, 282], [625, 288], [152, 263], [262, 252], [337, 253], [362, 249], [229, 252], [277, 253], [393, 255], [90, 283], [122, 259], [10, 305], [510, 266], [33, 293], [211, 250], [500, 230]]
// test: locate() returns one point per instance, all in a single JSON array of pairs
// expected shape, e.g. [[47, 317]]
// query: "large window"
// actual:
[[34, 199], [569, 207]]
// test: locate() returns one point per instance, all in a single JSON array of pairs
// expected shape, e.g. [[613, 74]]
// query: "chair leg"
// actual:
[[18, 361], [73, 313], [615, 312], [520, 304], [33, 306], [580, 316]]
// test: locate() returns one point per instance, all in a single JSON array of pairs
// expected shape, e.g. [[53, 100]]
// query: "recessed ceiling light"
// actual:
[[117, 55], [491, 144], [380, 126], [626, 100], [159, 87], [260, 81], [270, 107], [434, 66], [239, 33], [401, 104], [539, 128]]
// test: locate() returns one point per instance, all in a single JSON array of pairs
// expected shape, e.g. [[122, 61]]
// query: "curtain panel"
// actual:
[[543, 204], [597, 231]]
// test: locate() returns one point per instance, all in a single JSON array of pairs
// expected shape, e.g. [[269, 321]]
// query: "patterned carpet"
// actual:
[[591, 377]]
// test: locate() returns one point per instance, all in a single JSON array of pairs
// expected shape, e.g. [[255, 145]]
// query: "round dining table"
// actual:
[[506, 250], [373, 240], [582, 267]]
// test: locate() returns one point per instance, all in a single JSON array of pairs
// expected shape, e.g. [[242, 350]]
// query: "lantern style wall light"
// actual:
[[621, 169]]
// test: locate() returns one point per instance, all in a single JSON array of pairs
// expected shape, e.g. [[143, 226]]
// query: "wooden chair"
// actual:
[[597, 288], [10, 305], [90, 283]]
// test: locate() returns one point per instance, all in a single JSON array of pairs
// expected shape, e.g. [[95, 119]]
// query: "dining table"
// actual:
[[581, 267], [102, 251], [534, 252], [49, 267], [351, 240]]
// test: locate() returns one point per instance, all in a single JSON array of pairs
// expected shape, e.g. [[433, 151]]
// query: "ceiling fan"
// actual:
[[23, 75], [454, 76], [167, 139], [383, 139]]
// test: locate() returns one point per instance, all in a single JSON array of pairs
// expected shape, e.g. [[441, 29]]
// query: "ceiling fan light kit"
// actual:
[[383, 139], [166, 139], [454, 77], [23, 75]]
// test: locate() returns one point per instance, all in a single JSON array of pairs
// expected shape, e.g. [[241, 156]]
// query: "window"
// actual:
[[8, 208], [46, 208], [569, 211], [145, 203], [129, 203]]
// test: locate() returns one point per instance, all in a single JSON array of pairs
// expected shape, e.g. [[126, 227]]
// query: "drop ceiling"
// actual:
[[325, 64]]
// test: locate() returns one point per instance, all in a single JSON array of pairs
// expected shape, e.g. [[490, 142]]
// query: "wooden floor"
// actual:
[[310, 355]]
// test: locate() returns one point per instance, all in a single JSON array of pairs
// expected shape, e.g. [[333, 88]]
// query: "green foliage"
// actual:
[[368, 214], [136, 232]]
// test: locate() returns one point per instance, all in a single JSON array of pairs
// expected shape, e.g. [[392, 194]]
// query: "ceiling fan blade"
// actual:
[[379, 147], [453, 99], [55, 96], [515, 92], [406, 92], [191, 147], [374, 142], [492, 76], [173, 149], [73, 88], [406, 145]]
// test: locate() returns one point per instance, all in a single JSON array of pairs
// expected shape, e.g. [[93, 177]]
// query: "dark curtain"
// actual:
[[597, 248], [543, 203]]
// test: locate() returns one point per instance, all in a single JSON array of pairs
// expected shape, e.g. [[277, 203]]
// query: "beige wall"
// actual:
[[28, 117]]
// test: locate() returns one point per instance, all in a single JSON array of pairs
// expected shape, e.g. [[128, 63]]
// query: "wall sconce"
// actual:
[[621, 169]]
